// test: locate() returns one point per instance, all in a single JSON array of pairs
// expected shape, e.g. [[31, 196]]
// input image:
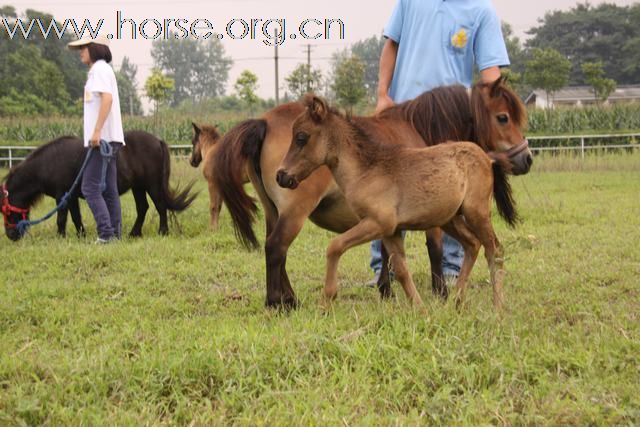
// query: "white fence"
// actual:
[[9, 155]]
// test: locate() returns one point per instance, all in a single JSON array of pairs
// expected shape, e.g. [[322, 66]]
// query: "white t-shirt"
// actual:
[[102, 79]]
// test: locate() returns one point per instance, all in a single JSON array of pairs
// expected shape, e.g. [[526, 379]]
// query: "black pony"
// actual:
[[143, 167]]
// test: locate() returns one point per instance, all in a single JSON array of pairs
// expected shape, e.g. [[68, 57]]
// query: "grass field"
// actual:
[[172, 330]]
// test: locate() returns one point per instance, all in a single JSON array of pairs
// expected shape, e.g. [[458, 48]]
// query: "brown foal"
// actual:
[[391, 188]]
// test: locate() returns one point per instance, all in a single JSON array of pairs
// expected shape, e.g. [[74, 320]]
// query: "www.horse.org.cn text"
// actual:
[[270, 31]]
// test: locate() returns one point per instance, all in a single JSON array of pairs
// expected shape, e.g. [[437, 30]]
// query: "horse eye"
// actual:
[[503, 119], [301, 139]]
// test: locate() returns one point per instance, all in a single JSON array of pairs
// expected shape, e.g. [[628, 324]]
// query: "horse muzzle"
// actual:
[[195, 161], [521, 158], [285, 180], [13, 234]]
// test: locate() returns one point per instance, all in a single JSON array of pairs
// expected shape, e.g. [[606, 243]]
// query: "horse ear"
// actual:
[[318, 109], [495, 86], [196, 129]]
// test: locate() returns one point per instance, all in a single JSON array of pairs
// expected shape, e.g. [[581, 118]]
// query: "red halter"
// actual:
[[8, 209]]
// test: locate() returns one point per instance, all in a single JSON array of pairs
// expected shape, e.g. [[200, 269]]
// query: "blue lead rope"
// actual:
[[106, 151]]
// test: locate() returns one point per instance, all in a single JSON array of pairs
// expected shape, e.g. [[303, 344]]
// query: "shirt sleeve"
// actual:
[[100, 79], [489, 46], [393, 30]]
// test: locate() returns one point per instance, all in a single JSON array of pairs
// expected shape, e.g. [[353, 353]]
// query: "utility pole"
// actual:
[[308, 68], [276, 62]]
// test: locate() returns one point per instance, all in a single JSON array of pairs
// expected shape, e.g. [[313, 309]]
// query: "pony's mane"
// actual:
[[439, 115], [34, 155]]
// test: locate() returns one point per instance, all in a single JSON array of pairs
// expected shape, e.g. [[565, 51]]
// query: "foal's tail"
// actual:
[[502, 193], [241, 144], [176, 200]]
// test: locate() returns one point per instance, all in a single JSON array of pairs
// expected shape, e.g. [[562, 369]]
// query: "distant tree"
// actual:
[[26, 72], [602, 86], [8, 12], [348, 84], [158, 88], [127, 88], [607, 33], [304, 79], [200, 68], [548, 70], [517, 54], [368, 50], [55, 50], [14, 103], [51, 49], [246, 86]]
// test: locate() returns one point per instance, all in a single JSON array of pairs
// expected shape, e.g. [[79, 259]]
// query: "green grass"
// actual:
[[172, 330]]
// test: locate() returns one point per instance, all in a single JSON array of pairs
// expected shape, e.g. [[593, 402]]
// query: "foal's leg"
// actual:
[[434, 246], [364, 231], [395, 246], [480, 223], [458, 229]]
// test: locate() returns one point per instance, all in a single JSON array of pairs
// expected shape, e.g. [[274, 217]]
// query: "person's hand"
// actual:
[[384, 102], [94, 141]]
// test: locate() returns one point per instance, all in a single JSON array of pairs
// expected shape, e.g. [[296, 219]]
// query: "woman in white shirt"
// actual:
[[102, 121]]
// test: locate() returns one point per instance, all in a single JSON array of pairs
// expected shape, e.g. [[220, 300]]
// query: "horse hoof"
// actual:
[[284, 304], [386, 294]]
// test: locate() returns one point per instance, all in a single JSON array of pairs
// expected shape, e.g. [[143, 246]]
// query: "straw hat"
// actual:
[[86, 40]]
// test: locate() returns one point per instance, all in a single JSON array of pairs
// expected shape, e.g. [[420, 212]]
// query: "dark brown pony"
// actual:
[[393, 188], [144, 167], [492, 116]]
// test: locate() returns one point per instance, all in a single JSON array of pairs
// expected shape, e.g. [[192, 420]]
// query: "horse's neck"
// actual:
[[351, 156]]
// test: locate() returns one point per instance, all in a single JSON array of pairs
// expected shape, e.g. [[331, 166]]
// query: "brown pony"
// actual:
[[204, 148], [492, 116], [393, 188]]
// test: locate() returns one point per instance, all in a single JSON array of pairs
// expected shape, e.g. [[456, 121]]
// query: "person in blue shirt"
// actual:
[[434, 43]]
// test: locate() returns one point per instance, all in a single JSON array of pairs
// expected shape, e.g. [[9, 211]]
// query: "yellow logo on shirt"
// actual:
[[460, 39]]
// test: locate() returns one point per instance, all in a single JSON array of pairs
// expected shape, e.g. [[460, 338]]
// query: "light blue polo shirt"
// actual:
[[439, 42]]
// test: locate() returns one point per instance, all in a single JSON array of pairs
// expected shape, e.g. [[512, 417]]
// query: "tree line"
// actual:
[[586, 45]]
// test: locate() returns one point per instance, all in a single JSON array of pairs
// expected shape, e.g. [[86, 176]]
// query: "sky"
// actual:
[[361, 19]]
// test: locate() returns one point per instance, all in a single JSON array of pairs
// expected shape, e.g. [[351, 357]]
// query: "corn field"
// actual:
[[175, 127], [585, 120]]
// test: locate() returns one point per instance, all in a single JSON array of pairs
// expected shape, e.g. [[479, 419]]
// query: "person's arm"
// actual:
[[387, 65], [490, 75], [106, 100]]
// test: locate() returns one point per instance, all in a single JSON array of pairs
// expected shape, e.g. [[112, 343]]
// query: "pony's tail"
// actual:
[[241, 144], [176, 200], [502, 193]]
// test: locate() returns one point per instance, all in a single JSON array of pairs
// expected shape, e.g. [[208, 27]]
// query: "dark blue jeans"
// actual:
[[452, 255], [104, 206]]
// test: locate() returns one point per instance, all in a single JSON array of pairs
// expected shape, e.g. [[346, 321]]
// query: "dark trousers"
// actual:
[[104, 206]]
